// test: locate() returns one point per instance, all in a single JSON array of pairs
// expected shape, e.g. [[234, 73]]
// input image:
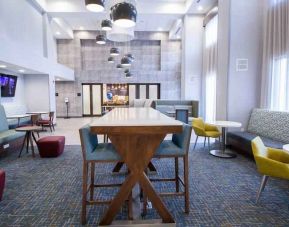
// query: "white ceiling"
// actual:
[[153, 15]]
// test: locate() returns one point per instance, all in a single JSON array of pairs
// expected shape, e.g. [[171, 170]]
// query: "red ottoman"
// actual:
[[51, 146], [2, 183]]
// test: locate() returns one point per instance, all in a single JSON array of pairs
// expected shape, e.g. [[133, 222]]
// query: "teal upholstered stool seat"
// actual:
[[103, 152], [168, 148]]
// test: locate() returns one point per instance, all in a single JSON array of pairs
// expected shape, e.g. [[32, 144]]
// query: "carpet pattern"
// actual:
[[47, 192]]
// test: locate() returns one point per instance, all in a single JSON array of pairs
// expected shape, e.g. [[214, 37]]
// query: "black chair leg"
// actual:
[[205, 142], [209, 143], [196, 142]]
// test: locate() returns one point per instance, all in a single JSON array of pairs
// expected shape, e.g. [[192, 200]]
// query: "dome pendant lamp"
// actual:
[[95, 5], [110, 60], [124, 15], [114, 51], [100, 39], [106, 25], [125, 61]]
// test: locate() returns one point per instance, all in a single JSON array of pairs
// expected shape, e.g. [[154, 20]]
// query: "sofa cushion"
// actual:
[[3, 120], [270, 124], [245, 138], [2, 183], [9, 135], [139, 102]]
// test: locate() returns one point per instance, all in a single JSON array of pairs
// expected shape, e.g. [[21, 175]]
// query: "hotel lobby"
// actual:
[[144, 113]]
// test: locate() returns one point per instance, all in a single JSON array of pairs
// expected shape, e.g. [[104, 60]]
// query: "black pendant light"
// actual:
[[114, 51], [124, 15], [129, 74], [130, 56], [95, 5], [100, 39], [110, 60], [106, 25], [119, 66], [126, 71], [125, 61]]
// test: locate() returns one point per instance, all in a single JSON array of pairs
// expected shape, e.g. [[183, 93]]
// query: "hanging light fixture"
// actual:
[[130, 56], [114, 51], [125, 61], [100, 39], [95, 5], [119, 66], [124, 14], [106, 25], [126, 71], [129, 74], [110, 60]]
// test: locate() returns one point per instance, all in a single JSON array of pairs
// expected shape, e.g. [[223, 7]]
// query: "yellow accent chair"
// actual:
[[203, 129], [270, 162]]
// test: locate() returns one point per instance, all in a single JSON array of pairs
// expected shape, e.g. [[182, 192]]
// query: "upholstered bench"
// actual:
[[2, 183], [271, 126], [51, 146]]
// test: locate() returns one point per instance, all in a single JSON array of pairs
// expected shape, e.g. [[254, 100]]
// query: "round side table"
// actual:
[[224, 125], [29, 137], [286, 148]]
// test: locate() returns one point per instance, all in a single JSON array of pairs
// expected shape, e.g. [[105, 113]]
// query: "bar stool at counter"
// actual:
[[94, 152]]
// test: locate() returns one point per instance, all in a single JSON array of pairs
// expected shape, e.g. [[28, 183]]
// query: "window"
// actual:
[[280, 85]]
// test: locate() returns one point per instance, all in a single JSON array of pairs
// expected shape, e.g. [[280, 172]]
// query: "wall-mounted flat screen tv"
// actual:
[[8, 85]]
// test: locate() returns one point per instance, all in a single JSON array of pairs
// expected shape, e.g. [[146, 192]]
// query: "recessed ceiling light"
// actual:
[[81, 28], [21, 70], [200, 8], [57, 33], [3, 66]]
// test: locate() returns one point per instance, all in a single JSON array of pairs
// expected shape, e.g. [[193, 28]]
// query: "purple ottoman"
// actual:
[[2, 183], [51, 146]]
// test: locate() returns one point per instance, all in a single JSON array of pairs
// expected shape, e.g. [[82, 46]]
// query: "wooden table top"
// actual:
[[28, 128], [143, 120]]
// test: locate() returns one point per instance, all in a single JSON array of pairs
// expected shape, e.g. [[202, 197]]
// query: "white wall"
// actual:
[[37, 94], [192, 57], [27, 41], [240, 36]]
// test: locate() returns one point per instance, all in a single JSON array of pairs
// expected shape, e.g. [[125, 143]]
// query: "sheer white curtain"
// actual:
[[210, 68], [275, 75]]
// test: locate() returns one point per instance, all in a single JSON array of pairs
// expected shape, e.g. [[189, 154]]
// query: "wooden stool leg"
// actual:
[[177, 174], [92, 180], [27, 141], [23, 144], [84, 188], [186, 179]]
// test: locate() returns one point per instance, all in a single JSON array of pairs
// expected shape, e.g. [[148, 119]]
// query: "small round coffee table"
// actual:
[[286, 148], [224, 125], [29, 137]]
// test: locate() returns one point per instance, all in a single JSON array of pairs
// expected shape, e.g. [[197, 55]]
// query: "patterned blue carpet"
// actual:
[[47, 192]]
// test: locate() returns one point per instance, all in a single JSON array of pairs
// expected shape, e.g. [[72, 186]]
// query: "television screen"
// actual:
[[8, 85]]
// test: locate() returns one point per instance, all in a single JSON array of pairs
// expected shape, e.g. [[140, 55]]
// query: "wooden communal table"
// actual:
[[136, 133]]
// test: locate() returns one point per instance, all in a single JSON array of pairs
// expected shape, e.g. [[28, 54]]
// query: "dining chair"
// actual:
[[93, 153], [177, 147], [270, 162], [182, 115], [47, 122], [203, 129]]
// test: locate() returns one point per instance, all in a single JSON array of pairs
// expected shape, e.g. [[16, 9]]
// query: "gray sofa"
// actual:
[[271, 126], [7, 135], [165, 106]]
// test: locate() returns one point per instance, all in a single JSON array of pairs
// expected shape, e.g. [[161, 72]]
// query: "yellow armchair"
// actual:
[[270, 162], [205, 130]]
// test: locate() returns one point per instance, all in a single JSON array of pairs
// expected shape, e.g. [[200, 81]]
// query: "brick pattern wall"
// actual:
[[157, 60]]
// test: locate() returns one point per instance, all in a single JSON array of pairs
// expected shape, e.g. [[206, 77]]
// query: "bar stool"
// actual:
[[94, 152], [178, 147]]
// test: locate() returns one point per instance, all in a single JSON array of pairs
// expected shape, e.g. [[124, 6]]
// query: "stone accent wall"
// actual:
[[157, 60]]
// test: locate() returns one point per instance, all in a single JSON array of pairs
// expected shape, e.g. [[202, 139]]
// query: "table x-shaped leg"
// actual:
[[136, 151]]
